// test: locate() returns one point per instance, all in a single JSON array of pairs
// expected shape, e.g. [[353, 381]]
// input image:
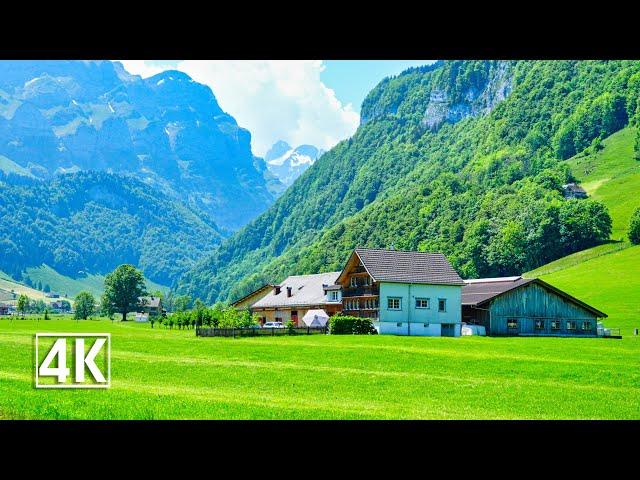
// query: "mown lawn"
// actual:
[[162, 374]]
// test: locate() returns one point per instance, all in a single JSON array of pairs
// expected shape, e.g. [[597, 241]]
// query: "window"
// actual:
[[422, 303], [571, 325], [586, 325], [393, 303], [555, 324], [539, 325], [442, 304], [333, 295], [354, 282], [512, 323], [399, 324]]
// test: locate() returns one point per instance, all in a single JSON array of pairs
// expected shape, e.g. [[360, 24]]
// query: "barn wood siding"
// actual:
[[532, 302]]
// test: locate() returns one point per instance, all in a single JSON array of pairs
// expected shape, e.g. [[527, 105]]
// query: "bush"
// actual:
[[347, 325], [634, 227]]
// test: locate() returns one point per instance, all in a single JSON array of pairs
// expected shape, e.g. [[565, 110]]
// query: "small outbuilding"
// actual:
[[526, 306]]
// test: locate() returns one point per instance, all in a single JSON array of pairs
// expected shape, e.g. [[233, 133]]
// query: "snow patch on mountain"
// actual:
[[288, 163]]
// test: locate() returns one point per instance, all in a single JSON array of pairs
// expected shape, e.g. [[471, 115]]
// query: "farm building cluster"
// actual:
[[417, 293]]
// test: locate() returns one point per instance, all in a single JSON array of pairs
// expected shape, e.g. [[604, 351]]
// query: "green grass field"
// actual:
[[162, 374], [612, 176]]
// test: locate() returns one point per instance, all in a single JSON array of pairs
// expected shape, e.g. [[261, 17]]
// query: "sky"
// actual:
[[313, 102]]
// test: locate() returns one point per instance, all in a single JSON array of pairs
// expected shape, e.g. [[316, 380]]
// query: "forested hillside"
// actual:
[[90, 222], [463, 157]]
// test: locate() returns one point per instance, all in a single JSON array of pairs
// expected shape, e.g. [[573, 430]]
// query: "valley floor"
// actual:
[[161, 374]]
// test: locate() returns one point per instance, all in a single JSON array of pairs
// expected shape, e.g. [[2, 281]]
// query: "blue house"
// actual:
[[404, 293]]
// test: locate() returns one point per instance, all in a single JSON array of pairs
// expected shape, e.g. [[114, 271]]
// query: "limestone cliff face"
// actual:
[[449, 92], [445, 106]]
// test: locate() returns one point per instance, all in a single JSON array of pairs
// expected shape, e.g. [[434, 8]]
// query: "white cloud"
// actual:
[[273, 99]]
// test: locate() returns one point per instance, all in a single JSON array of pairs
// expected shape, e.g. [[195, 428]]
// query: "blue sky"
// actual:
[[352, 80], [315, 102]]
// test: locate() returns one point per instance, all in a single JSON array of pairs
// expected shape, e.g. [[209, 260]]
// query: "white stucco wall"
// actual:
[[418, 317]]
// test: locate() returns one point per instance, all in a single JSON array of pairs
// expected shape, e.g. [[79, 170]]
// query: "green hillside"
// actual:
[[612, 175], [606, 276], [93, 222], [71, 286], [466, 158], [608, 282], [9, 288]]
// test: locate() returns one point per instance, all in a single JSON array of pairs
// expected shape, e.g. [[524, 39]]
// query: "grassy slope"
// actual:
[[7, 284], [606, 276], [609, 283], [329, 377], [71, 286], [613, 177]]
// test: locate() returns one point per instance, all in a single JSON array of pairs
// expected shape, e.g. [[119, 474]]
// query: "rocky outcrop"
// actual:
[[473, 101]]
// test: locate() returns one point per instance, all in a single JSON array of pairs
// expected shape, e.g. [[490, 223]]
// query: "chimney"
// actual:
[[288, 291], [276, 289]]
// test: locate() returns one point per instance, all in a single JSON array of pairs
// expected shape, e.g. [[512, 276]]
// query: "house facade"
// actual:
[[296, 295], [152, 306], [517, 306], [403, 293]]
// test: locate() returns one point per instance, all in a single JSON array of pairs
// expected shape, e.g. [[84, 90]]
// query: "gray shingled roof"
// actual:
[[306, 290], [414, 267], [478, 291]]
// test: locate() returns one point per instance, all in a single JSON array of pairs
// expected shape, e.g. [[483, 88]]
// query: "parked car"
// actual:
[[273, 325]]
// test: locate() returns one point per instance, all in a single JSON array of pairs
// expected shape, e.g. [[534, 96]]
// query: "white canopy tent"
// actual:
[[315, 318]]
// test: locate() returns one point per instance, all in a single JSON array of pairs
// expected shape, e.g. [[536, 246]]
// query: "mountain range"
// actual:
[[166, 130], [99, 167]]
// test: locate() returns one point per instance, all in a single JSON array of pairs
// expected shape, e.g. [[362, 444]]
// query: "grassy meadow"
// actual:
[[612, 176], [171, 374]]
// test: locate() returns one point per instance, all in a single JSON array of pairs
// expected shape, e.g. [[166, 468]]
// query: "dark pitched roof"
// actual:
[[481, 291], [408, 267]]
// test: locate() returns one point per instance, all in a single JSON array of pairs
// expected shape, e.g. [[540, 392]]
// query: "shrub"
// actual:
[[291, 327], [347, 325], [634, 227]]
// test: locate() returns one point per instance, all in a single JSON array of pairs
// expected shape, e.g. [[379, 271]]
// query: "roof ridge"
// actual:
[[399, 251]]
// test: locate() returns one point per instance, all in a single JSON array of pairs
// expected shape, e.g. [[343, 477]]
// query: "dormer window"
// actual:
[[354, 282]]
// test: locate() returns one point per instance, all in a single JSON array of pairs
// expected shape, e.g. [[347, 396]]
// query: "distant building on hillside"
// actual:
[[526, 306], [573, 190], [4, 309], [52, 295]]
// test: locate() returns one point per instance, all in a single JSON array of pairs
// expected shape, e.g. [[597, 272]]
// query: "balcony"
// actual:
[[361, 291]]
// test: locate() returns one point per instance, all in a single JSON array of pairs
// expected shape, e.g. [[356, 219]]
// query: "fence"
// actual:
[[259, 332], [609, 332]]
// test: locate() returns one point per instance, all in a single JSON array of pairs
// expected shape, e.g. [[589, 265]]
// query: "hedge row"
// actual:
[[347, 325]]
